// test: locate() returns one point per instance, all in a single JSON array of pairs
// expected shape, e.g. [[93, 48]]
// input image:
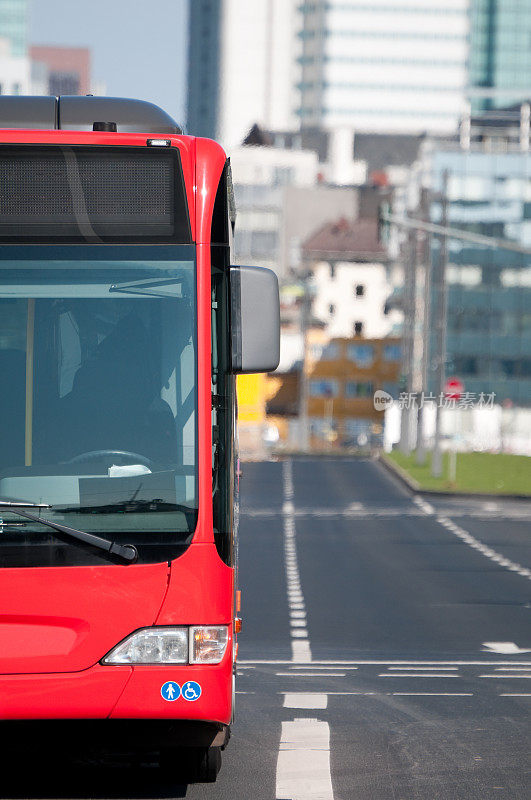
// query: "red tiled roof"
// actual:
[[346, 239]]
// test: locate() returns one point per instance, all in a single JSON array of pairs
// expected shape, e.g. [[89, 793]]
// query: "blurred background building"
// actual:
[[333, 111], [39, 69], [14, 26], [387, 65], [203, 83], [499, 53], [15, 70], [349, 127], [242, 67], [61, 70]]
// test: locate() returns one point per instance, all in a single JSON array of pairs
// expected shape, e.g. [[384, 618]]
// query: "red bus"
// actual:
[[122, 327]]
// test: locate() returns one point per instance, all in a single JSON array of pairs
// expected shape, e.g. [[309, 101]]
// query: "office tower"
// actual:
[[500, 53], [242, 67], [204, 39], [14, 25], [389, 65]]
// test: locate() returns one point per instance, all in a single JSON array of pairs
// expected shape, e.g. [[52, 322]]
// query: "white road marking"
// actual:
[[384, 512], [513, 694], [298, 624], [310, 674], [300, 651], [505, 677], [314, 667], [350, 694], [486, 551], [303, 766], [428, 668], [418, 675], [305, 700], [509, 669], [383, 663], [405, 694], [505, 648], [423, 505], [432, 694]]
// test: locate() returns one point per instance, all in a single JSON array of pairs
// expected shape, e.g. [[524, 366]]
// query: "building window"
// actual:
[[392, 389], [325, 352], [324, 388], [358, 390], [392, 352], [282, 176], [359, 290], [332, 271], [330, 352], [361, 354], [358, 328], [331, 309]]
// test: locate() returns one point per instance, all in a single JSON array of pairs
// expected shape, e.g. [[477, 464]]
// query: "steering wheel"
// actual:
[[96, 455]]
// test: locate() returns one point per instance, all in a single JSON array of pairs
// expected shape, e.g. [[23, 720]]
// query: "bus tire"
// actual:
[[209, 764], [191, 764]]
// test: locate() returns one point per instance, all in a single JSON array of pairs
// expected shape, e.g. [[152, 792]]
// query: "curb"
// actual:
[[415, 487]]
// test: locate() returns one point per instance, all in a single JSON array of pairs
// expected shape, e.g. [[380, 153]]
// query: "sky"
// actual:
[[138, 46]]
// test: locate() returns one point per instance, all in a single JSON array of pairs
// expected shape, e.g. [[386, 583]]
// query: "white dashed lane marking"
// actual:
[[423, 505], [303, 766], [300, 645], [486, 551], [305, 700]]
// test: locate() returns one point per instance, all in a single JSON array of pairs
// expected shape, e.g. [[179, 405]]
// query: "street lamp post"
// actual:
[[440, 329]]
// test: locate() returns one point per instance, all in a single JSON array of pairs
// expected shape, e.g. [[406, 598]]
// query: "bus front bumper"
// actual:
[[122, 692]]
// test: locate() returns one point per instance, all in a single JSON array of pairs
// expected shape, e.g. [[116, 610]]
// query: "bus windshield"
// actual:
[[98, 401]]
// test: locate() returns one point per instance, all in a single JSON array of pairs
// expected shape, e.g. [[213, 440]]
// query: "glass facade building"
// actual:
[[383, 66], [500, 53], [488, 289], [14, 25], [204, 42]]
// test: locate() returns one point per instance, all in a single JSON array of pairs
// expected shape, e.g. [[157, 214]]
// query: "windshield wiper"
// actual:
[[129, 506], [127, 552]]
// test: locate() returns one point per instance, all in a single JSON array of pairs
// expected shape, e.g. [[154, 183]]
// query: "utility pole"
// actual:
[[425, 257], [410, 291], [440, 327], [304, 438]]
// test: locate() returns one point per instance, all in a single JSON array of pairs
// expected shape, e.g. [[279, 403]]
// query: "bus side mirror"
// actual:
[[255, 319]]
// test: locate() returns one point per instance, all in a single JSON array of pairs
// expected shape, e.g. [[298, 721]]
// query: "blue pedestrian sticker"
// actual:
[[170, 691], [191, 691]]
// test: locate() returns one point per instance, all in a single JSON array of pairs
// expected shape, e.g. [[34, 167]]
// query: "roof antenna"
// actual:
[[105, 126]]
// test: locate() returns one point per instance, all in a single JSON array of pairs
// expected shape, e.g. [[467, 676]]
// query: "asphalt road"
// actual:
[[380, 657]]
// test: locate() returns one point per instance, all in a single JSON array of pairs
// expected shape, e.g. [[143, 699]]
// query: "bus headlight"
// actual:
[[208, 643], [151, 646]]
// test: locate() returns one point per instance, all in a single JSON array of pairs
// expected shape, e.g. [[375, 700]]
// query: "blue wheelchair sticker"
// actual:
[[170, 691], [191, 691]]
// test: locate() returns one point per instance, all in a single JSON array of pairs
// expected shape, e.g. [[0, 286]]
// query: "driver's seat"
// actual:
[[113, 404]]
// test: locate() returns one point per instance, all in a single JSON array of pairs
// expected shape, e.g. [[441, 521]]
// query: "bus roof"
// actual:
[[80, 113]]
